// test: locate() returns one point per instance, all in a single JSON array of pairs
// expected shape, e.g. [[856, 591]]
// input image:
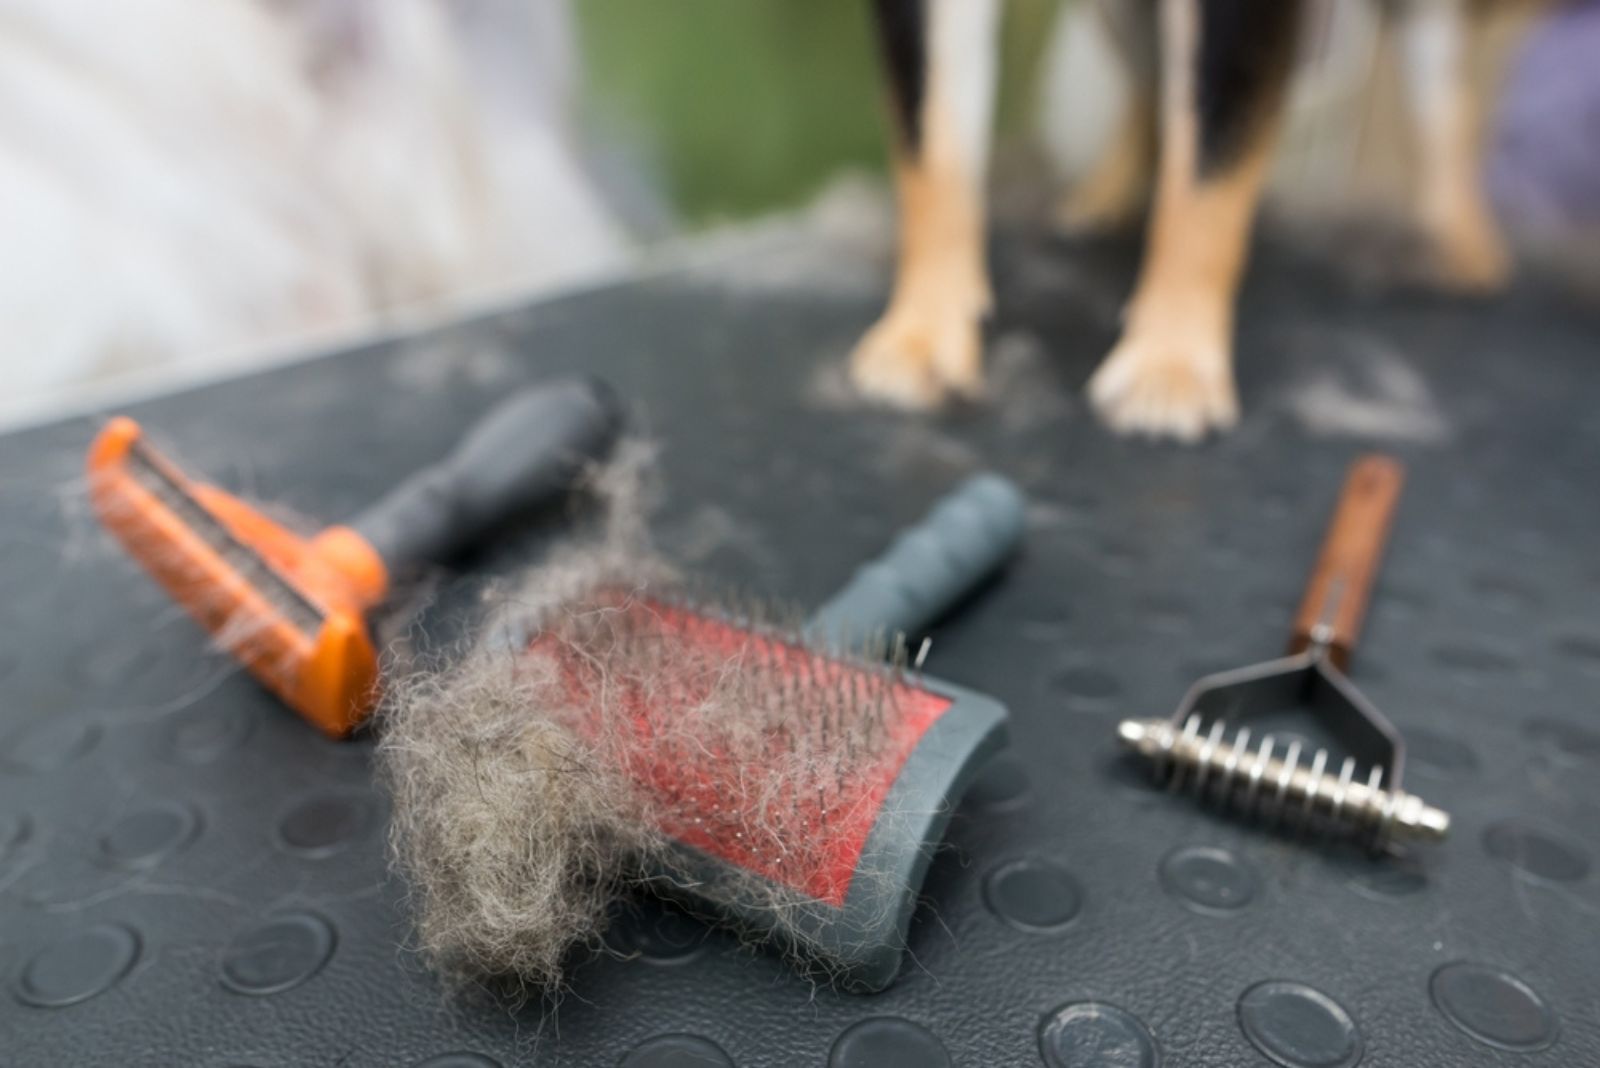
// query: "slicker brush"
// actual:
[[793, 780]]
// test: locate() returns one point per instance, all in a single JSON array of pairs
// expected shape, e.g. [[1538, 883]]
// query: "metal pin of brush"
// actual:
[[293, 610], [1265, 778]]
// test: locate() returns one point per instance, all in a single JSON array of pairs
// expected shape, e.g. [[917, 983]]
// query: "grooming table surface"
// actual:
[[190, 875]]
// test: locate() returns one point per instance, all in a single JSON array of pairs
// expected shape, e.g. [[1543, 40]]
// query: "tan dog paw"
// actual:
[[1166, 383], [1468, 253], [917, 359]]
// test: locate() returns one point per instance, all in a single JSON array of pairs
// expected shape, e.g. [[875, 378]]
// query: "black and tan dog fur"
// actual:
[[1210, 77]]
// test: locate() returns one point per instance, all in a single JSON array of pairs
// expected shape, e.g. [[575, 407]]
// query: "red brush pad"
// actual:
[[788, 782]]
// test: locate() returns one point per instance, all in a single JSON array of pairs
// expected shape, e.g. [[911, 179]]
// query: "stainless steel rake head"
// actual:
[[1276, 779]]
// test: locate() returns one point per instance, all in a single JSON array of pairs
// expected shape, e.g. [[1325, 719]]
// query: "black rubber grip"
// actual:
[[526, 452], [929, 567]]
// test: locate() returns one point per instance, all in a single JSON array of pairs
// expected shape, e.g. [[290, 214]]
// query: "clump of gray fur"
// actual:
[[511, 832], [514, 834], [514, 831]]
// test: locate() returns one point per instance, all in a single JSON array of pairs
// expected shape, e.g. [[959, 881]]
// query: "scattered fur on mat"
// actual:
[[551, 769]]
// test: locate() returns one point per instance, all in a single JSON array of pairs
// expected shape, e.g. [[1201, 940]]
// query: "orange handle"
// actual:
[[1336, 599]]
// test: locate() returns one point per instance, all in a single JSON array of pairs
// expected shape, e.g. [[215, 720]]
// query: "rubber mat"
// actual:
[[189, 875]]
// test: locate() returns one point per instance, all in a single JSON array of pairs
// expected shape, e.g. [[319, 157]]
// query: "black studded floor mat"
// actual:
[[189, 875]]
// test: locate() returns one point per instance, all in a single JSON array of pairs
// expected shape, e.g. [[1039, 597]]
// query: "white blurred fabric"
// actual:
[[184, 180]]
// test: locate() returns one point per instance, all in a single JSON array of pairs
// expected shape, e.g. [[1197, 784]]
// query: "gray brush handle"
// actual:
[[527, 451], [930, 566]]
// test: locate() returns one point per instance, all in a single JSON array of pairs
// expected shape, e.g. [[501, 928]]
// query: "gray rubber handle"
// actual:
[[930, 566], [527, 451]]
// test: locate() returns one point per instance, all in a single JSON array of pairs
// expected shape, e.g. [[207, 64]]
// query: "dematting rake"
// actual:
[[1271, 779]]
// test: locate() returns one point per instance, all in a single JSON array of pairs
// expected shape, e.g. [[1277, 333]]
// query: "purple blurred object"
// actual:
[[1544, 157]]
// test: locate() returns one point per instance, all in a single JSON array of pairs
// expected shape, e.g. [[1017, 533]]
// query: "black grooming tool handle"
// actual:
[[525, 452]]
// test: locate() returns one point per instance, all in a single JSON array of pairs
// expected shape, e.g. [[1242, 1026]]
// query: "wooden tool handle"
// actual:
[[1336, 599]]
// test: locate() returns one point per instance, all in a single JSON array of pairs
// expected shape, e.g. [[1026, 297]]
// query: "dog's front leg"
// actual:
[[1451, 202], [1225, 64], [940, 56], [1113, 193]]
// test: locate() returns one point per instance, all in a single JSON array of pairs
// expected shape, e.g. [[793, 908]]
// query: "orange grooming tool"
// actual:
[[293, 609]]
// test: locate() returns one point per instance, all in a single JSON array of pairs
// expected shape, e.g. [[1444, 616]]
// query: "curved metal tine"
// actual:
[[1191, 731], [1208, 752], [1380, 820], [1305, 821], [1291, 763], [1374, 786], [1258, 768], [1346, 773], [1230, 774], [1164, 766]]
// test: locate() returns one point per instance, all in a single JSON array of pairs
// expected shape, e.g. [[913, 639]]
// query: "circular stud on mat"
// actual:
[[1208, 879], [141, 839], [888, 1042], [1493, 1006], [657, 932], [79, 966], [1440, 755], [1092, 1034], [1297, 1026], [277, 955], [204, 732], [323, 824], [1032, 894], [47, 744], [677, 1051]]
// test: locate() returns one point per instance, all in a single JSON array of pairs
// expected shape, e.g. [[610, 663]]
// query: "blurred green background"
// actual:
[[739, 107]]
